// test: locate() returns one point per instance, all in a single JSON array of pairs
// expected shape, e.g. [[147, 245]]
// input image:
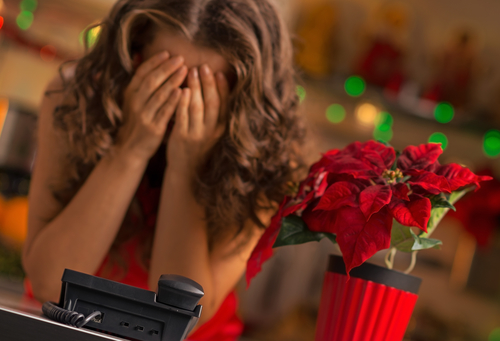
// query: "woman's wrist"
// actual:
[[179, 177], [128, 159], [181, 168]]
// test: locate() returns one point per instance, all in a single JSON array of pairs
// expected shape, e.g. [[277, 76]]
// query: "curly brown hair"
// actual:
[[257, 156]]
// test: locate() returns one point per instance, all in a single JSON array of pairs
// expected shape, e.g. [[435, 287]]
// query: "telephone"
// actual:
[[126, 311]]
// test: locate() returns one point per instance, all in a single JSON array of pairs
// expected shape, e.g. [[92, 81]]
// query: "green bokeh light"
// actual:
[[355, 86], [491, 143], [28, 5], [439, 138], [384, 122], [301, 92], [444, 112], [384, 127], [335, 113], [384, 136], [92, 36], [24, 20], [494, 335]]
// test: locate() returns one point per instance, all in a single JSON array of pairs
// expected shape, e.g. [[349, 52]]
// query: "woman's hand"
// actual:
[[150, 101], [197, 127]]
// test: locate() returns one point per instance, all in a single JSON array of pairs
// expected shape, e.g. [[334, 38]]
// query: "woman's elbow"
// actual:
[[44, 292], [43, 289]]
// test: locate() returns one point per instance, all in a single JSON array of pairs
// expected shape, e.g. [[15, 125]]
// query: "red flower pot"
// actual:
[[375, 304]]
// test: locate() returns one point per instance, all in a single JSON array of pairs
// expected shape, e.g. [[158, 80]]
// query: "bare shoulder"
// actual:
[[54, 93], [269, 208], [243, 244], [53, 97]]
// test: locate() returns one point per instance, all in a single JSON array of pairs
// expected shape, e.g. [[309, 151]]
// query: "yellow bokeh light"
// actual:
[[89, 38], [366, 114], [93, 35]]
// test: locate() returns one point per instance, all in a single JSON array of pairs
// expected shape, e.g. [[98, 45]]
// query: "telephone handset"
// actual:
[[126, 311]]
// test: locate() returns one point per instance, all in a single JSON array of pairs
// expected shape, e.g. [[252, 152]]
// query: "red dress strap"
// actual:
[[223, 326]]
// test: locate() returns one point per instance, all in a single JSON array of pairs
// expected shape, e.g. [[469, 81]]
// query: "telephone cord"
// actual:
[[72, 318]]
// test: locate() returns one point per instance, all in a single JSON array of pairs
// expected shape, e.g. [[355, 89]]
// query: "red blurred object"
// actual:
[[48, 53], [1, 22], [479, 211], [12, 33], [360, 309], [455, 72], [382, 65]]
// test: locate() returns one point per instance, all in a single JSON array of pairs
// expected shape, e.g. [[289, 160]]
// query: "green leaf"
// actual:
[[398, 153], [437, 214], [424, 243], [401, 237], [295, 231], [404, 239], [332, 237], [404, 179], [441, 201]]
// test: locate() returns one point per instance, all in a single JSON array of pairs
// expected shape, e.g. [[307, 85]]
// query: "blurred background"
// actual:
[[404, 72]]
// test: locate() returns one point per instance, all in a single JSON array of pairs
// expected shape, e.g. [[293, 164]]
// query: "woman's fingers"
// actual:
[[145, 68], [210, 97], [156, 78], [163, 93], [167, 110], [224, 91], [182, 112], [196, 107]]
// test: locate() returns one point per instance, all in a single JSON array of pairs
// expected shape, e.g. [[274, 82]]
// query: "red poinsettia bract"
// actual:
[[355, 193]]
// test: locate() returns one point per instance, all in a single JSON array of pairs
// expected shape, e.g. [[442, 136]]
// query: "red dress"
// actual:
[[223, 326]]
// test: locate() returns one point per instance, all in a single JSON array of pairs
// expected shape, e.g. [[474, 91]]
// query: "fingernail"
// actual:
[[194, 72], [164, 55], [205, 70], [178, 59]]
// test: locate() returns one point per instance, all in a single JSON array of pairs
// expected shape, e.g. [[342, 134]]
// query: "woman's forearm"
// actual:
[[181, 243], [80, 236]]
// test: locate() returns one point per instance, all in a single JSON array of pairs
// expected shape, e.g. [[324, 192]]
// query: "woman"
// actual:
[[164, 151]]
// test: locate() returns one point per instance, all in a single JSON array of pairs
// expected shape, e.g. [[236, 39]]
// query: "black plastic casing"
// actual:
[[131, 312], [178, 291]]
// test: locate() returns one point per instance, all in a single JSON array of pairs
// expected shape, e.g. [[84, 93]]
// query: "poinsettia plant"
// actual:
[[366, 198]]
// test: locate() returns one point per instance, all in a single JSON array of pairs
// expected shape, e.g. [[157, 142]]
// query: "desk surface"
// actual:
[[21, 320]]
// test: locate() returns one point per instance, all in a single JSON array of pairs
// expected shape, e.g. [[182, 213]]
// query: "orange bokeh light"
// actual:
[[14, 220], [48, 53], [4, 108]]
